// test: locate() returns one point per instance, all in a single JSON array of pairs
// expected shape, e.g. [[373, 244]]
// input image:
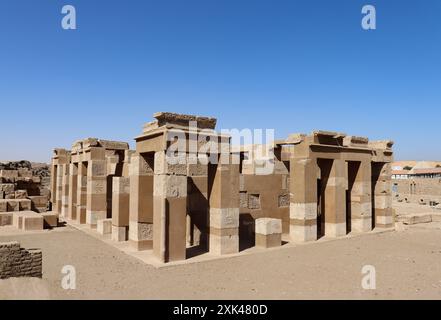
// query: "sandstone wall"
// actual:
[[417, 190], [19, 262]]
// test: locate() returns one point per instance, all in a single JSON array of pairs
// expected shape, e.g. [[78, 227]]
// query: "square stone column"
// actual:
[[120, 208], [141, 202], [73, 189], [361, 202], [59, 190], [96, 204], [82, 193], [303, 206], [65, 190], [54, 169], [384, 214], [197, 205], [169, 209], [335, 200], [224, 180]]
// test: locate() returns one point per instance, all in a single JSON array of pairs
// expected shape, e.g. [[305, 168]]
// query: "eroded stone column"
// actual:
[[335, 200], [384, 217], [120, 208], [303, 206], [361, 203], [65, 191], [59, 192], [73, 189], [141, 202], [224, 208], [82, 193], [54, 169], [96, 207], [169, 209]]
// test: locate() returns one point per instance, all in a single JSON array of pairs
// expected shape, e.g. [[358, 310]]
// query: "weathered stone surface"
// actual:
[[169, 118], [19, 262]]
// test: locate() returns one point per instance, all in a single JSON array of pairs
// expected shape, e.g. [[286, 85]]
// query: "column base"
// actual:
[[268, 241], [335, 230], [303, 231], [224, 244], [93, 217], [384, 221], [141, 245], [361, 224], [104, 226], [120, 234]]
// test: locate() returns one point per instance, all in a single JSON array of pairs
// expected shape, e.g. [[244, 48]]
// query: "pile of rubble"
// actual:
[[24, 192]]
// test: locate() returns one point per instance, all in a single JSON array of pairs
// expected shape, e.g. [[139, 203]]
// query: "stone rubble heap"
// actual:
[[25, 192]]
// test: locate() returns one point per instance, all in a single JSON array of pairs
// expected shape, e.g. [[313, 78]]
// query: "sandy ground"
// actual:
[[408, 266]]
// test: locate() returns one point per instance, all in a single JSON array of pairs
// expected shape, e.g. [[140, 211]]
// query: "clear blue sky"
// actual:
[[294, 65]]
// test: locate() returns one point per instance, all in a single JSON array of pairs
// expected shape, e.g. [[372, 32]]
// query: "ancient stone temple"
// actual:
[[187, 190]]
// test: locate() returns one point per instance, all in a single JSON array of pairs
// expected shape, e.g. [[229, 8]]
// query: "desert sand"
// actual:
[[408, 266]]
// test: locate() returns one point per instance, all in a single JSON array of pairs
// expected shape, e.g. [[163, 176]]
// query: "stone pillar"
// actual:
[[65, 191], [197, 204], [59, 189], [141, 202], [361, 203], [96, 203], [224, 208], [120, 208], [73, 183], [54, 169], [303, 206], [82, 193], [384, 216], [169, 209], [335, 200]]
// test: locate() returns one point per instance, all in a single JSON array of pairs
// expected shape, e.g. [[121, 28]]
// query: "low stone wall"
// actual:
[[19, 262], [423, 191]]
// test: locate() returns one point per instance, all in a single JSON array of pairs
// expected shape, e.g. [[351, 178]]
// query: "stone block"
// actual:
[[3, 205], [21, 194], [119, 234], [224, 218], [268, 232], [17, 220], [9, 174], [104, 226], [32, 221], [24, 173], [140, 231], [415, 218], [254, 201], [7, 187], [39, 201], [224, 244], [170, 186], [50, 219], [267, 226], [5, 219], [165, 164]]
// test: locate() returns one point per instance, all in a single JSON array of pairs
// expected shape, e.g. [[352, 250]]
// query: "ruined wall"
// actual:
[[417, 190], [264, 188], [24, 186], [19, 262]]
